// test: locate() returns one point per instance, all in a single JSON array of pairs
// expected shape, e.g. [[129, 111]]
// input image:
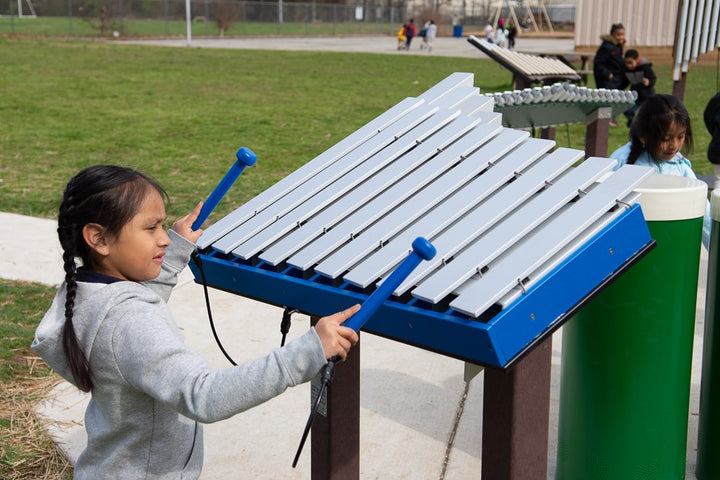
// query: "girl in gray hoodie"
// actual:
[[109, 332]]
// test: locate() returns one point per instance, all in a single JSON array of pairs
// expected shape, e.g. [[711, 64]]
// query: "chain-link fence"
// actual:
[[165, 18], [208, 17]]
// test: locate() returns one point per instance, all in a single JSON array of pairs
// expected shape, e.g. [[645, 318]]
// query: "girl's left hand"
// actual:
[[183, 225]]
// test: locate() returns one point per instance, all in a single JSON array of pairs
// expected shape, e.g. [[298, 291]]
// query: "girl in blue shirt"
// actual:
[[659, 133]]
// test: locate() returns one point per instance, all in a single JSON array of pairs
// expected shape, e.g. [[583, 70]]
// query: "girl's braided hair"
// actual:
[[106, 195], [652, 122]]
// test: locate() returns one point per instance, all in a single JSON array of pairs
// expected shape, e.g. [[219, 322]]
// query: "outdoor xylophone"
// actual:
[[523, 237], [560, 103]]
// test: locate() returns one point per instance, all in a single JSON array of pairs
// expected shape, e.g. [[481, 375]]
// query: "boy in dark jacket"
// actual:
[[639, 73]]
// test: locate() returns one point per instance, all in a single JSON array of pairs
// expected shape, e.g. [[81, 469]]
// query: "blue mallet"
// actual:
[[245, 158], [422, 250]]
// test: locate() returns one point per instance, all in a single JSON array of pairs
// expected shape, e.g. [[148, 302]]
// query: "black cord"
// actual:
[[198, 262], [326, 376], [285, 323]]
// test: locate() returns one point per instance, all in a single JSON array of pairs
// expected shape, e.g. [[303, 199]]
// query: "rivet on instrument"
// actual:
[[532, 316], [522, 287], [625, 204], [611, 250]]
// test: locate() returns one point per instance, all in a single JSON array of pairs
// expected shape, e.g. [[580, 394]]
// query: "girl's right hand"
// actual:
[[336, 339], [183, 226]]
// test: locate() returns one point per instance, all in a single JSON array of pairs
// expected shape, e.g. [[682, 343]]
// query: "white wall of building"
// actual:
[[647, 22]]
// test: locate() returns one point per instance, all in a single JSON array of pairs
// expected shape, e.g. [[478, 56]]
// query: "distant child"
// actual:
[[489, 32], [642, 80], [401, 38], [410, 32], [110, 333], [511, 34], [660, 131], [423, 34], [500, 36], [609, 63], [428, 34]]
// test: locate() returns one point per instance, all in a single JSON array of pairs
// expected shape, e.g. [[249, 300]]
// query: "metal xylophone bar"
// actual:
[[560, 103], [525, 234], [526, 68]]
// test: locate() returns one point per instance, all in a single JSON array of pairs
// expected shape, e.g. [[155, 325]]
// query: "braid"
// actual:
[[75, 357]]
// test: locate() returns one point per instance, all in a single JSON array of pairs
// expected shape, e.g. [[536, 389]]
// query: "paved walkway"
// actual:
[[443, 46]]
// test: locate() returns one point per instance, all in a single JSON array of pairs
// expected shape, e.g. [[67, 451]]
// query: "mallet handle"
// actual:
[[422, 250], [245, 157]]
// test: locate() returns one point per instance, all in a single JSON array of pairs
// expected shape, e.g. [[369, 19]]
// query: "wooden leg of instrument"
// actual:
[[596, 132], [548, 133], [516, 417], [336, 437]]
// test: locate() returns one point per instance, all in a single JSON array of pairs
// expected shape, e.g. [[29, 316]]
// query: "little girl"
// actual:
[[660, 131], [110, 332]]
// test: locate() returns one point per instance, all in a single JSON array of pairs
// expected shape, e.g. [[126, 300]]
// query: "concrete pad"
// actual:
[[384, 44]]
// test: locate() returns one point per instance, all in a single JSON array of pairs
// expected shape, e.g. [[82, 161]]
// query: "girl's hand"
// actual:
[[336, 339], [182, 226]]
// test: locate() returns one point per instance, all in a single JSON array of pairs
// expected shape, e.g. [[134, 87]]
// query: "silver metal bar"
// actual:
[[354, 199], [534, 249], [306, 172], [457, 205], [283, 205], [383, 203], [503, 168], [561, 256], [438, 92], [481, 243]]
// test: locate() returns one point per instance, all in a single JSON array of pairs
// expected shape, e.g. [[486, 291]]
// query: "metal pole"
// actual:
[[188, 21]]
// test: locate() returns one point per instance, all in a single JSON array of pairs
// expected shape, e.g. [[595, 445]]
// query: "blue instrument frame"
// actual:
[[499, 341]]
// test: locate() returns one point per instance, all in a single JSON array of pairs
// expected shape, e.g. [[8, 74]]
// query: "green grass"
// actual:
[[21, 307], [26, 452], [79, 27], [179, 114]]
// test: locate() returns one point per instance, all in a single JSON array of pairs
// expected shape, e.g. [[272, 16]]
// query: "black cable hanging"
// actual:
[[198, 262], [285, 323]]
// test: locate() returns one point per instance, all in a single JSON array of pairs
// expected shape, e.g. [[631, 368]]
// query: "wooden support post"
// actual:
[[516, 418], [679, 87], [596, 132], [548, 133], [520, 82], [336, 436]]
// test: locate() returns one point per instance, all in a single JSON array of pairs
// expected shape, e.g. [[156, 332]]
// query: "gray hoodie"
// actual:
[[149, 390]]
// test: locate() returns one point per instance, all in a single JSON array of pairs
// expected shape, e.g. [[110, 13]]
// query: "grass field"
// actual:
[[79, 27], [180, 115]]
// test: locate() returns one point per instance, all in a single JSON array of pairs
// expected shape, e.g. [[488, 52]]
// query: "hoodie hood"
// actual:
[[93, 302]]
